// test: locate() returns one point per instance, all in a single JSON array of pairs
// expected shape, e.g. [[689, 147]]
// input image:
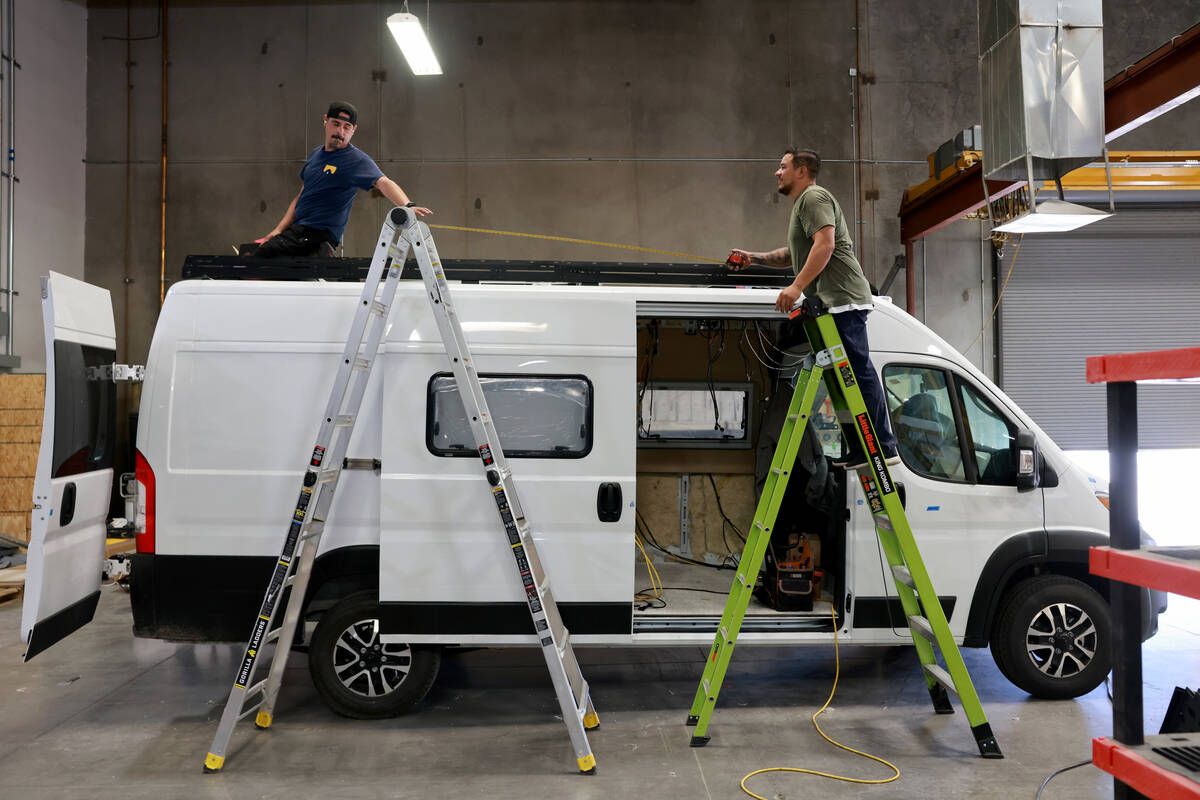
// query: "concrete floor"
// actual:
[[106, 715]]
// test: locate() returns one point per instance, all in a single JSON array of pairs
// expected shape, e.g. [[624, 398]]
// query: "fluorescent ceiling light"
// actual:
[[1053, 216], [406, 28]]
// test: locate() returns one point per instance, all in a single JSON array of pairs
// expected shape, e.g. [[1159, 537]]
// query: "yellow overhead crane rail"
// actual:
[[1164, 170]]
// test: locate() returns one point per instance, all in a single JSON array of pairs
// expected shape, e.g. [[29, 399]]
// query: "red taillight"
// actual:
[[145, 477]]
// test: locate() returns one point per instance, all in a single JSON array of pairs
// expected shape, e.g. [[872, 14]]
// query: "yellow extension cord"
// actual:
[[836, 673], [577, 241]]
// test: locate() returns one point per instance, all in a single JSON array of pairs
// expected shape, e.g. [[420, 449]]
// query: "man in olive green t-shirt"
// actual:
[[821, 254]]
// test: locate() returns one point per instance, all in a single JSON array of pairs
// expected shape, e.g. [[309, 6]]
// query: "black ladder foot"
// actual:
[[988, 748], [699, 741], [692, 720], [941, 700]]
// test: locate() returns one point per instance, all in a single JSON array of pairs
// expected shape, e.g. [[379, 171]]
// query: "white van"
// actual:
[[628, 412]]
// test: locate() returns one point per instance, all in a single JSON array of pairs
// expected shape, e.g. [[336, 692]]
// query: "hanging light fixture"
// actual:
[[413, 42]]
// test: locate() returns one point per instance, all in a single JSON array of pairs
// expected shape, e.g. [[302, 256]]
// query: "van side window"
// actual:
[[537, 416], [923, 421], [85, 412], [993, 438]]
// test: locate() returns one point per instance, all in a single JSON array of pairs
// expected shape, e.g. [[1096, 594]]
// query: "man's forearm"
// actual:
[[392, 191], [288, 217], [779, 259], [818, 258]]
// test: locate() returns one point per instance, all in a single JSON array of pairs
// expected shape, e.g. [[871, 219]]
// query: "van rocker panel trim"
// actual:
[[886, 612], [62, 624], [500, 619]]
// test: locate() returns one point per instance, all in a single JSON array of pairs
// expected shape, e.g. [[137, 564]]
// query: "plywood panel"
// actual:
[[16, 494], [21, 416], [22, 391], [15, 525], [20, 434], [18, 460]]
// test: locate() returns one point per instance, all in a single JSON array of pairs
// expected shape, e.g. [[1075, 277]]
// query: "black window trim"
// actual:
[[442, 453]]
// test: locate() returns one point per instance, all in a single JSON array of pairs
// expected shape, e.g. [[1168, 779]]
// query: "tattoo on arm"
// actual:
[[775, 258]]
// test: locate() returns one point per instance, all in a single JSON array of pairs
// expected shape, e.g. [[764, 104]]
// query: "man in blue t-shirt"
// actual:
[[332, 176]]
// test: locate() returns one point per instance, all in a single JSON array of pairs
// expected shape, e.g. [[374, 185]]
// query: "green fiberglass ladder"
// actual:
[[926, 619], [401, 232]]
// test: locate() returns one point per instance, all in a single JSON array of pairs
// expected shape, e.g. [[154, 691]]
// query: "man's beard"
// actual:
[[785, 189]]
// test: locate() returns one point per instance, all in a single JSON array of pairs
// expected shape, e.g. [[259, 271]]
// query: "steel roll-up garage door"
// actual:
[[1124, 284]]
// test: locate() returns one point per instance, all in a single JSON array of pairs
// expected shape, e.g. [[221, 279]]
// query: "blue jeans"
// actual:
[[852, 327]]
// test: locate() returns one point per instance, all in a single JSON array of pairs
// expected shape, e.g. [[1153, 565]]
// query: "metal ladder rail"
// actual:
[[746, 576], [308, 518], [924, 615], [572, 690]]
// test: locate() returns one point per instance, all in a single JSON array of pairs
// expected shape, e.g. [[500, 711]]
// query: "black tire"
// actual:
[[1053, 637], [380, 680]]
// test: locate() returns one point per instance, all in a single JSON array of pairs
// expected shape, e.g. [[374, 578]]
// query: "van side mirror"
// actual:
[[1029, 467]]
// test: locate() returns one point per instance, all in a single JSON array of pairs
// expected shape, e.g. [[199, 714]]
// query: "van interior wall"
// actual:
[[684, 356]]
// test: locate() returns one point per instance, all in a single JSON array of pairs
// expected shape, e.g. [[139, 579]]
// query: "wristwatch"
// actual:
[[409, 204]]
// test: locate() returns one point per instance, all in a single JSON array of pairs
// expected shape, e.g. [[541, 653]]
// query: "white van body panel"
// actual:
[[62, 578], [239, 375], [439, 536], [227, 424]]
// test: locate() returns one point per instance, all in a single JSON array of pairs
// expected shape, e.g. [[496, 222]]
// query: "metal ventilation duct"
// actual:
[[1041, 68]]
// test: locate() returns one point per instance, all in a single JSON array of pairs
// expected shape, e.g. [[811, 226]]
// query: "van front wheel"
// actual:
[[359, 676], [1053, 637]]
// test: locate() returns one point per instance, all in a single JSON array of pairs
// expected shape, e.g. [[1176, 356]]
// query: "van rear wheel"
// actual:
[[361, 677], [1053, 637]]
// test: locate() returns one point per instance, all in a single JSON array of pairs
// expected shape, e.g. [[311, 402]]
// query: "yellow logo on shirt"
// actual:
[[330, 168]]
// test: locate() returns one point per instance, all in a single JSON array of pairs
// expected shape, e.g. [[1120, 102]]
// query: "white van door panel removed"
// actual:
[[74, 473]]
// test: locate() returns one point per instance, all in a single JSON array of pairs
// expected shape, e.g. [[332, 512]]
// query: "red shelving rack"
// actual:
[[1167, 765]]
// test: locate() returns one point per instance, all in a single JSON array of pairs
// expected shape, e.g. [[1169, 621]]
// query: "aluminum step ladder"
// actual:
[[924, 614], [401, 232]]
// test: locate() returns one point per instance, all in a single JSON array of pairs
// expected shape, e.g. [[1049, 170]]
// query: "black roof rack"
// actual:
[[586, 273]]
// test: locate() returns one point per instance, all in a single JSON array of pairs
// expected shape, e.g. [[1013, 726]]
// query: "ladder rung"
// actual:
[[883, 521], [274, 634], [248, 711], [904, 576], [922, 626], [941, 676], [379, 308], [344, 421], [257, 687], [362, 364], [328, 475], [779, 471], [724, 631], [313, 533]]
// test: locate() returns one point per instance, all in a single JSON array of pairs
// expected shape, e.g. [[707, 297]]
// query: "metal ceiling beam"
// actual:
[[1163, 80], [1157, 83]]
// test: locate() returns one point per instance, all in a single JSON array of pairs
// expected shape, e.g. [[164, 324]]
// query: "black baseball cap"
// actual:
[[340, 109]]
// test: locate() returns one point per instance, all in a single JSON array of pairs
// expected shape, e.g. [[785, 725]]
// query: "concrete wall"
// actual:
[[655, 124], [51, 98]]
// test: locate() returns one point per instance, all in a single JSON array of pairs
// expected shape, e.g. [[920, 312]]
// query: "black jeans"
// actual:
[[296, 240], [852, 327]]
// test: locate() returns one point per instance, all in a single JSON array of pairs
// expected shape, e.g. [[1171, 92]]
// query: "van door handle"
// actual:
[[608, 502], [68, 506]]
